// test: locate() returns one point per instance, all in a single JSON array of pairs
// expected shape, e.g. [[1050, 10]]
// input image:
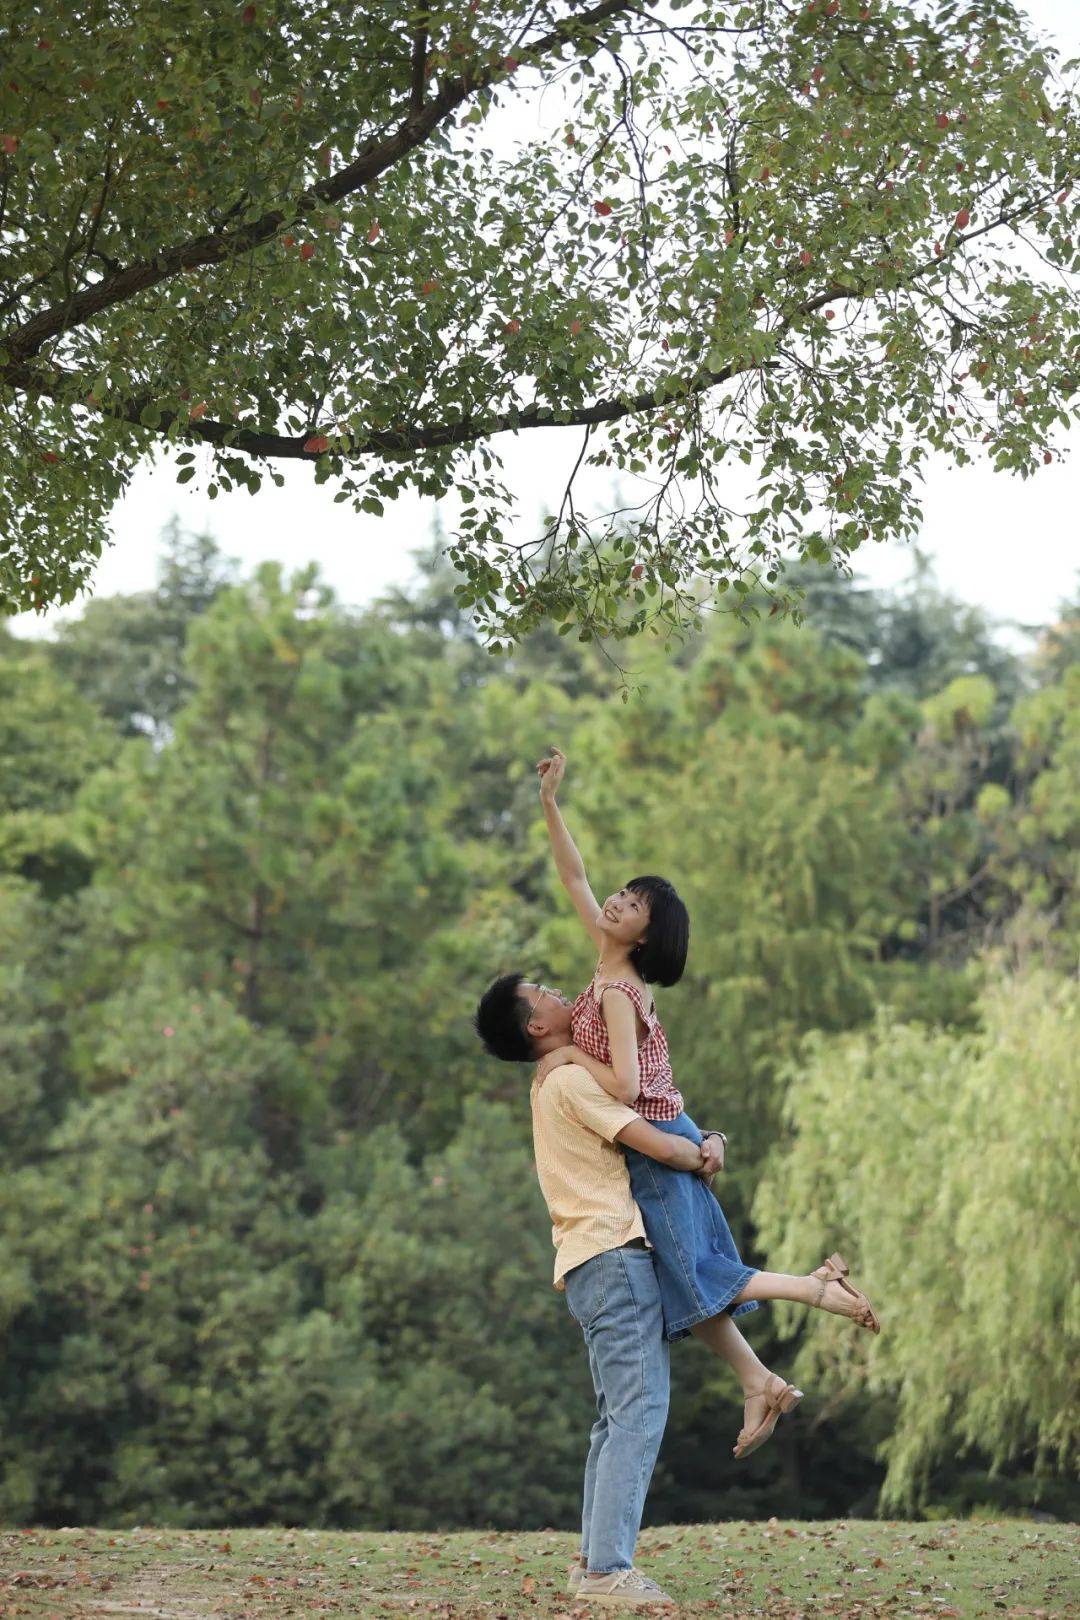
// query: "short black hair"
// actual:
[[661, 956], [501, 1023]]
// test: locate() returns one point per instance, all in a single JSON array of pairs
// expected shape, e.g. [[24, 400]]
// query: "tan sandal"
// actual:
[[779, 1398], [834, 1269]]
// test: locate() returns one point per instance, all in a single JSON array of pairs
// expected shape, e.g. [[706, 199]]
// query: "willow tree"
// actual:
[[820, 239], [949, 1163]]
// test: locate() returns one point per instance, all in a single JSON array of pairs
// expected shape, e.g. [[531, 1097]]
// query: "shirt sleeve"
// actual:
[[584, 1100]]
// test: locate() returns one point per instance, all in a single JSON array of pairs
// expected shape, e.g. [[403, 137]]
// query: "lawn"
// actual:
[[859, 1568]]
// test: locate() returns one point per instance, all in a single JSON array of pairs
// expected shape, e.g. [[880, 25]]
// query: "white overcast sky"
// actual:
[[1007, 545]]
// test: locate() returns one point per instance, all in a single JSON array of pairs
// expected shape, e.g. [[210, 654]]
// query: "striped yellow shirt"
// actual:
[[582, 1173]]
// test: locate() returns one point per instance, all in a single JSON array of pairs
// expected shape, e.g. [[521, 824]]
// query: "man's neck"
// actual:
[[543, 1044]]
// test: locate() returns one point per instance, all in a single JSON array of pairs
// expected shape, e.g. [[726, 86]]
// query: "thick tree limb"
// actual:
[[219, 247], [419, 65], [259, 445]]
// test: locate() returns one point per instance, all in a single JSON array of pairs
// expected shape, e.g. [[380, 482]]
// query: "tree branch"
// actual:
[[218, 248], [419, 65]]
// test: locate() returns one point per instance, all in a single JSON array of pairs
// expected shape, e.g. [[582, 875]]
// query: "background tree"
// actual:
[[271, 1247], [808, 241], [948, 1163]]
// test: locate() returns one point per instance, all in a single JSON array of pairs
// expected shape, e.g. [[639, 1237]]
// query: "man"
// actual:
[[604, 1264]]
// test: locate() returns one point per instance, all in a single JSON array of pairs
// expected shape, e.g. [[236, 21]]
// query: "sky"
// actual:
[[1007, 545]]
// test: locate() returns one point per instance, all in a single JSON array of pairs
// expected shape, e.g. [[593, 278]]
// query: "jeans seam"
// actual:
[[644, 1392]]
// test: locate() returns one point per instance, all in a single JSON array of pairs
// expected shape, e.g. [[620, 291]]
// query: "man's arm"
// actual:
[[677, 1151]]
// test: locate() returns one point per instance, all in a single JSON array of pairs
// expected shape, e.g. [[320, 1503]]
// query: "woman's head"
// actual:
[[649, 919]]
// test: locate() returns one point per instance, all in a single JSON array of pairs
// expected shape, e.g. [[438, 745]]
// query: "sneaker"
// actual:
[[574, 1576], [627, 1587]]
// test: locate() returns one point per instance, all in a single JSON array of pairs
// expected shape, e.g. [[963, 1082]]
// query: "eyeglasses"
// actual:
[[542, 990]]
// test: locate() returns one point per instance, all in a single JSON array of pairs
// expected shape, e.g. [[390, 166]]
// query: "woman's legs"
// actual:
[[724, 1339], [801, 1290]]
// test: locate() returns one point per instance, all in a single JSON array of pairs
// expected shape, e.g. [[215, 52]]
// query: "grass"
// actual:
[[865, 1569]]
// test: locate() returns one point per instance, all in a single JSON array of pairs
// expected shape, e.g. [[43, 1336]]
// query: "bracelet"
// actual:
[[720, 1134]]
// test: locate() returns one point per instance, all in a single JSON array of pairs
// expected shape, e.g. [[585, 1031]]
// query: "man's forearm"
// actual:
[[678, 1152]]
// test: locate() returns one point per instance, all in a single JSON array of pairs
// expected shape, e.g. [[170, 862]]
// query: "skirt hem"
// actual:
[[681, 1328]]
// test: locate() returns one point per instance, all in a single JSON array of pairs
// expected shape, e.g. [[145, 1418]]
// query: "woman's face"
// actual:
[[624, 917]]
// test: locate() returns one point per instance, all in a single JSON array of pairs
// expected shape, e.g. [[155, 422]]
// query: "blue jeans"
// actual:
[[615, 1300]]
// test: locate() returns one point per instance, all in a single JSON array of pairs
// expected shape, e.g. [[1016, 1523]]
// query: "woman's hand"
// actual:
[[552, 1060], [551, 772]]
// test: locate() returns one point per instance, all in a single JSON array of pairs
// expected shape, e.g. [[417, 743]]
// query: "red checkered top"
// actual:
[[659, 1097]]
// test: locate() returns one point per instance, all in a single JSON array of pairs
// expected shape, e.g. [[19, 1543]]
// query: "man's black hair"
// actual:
[[661, 956], [501, 1022]]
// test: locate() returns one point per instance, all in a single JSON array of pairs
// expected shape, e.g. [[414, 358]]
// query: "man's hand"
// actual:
[[712, 1156], [552, 1060], [551, 772]]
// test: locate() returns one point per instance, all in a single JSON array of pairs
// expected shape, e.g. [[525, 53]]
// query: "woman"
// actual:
[[642, 933]]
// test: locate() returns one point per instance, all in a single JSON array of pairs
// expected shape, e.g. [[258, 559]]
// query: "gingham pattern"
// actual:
[[659, 1097]]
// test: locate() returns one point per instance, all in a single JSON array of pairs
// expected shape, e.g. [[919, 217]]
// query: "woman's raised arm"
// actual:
[[568, 862]]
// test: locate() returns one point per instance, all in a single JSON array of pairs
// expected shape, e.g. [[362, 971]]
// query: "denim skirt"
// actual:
[[697, 1264]]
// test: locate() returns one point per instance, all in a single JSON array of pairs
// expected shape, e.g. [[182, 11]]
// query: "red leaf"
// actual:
[[729, 237], [308, 250], [428, 288], [316, 444], [198, 410], [963, 219], [50, 456], [510, 63], [513, 327], [830, 314], [1047, 457], [942, 120], [289, 241], [10, 143], [248, 14], [602, 207], [805, 257], [374, 231]]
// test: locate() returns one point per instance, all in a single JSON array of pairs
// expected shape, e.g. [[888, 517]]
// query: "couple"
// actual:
[[642, 1247]]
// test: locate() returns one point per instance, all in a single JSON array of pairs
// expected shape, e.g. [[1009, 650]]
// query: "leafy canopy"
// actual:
[[818, 240]]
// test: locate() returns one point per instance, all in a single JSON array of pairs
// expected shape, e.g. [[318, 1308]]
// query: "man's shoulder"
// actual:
[[564, 1087], [568, 1080], [577, 1096]]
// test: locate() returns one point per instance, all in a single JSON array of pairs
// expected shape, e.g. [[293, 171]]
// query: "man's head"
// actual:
[[520, 1021]]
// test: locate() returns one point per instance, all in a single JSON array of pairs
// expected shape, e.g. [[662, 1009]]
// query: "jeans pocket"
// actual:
[[585, 1290]]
